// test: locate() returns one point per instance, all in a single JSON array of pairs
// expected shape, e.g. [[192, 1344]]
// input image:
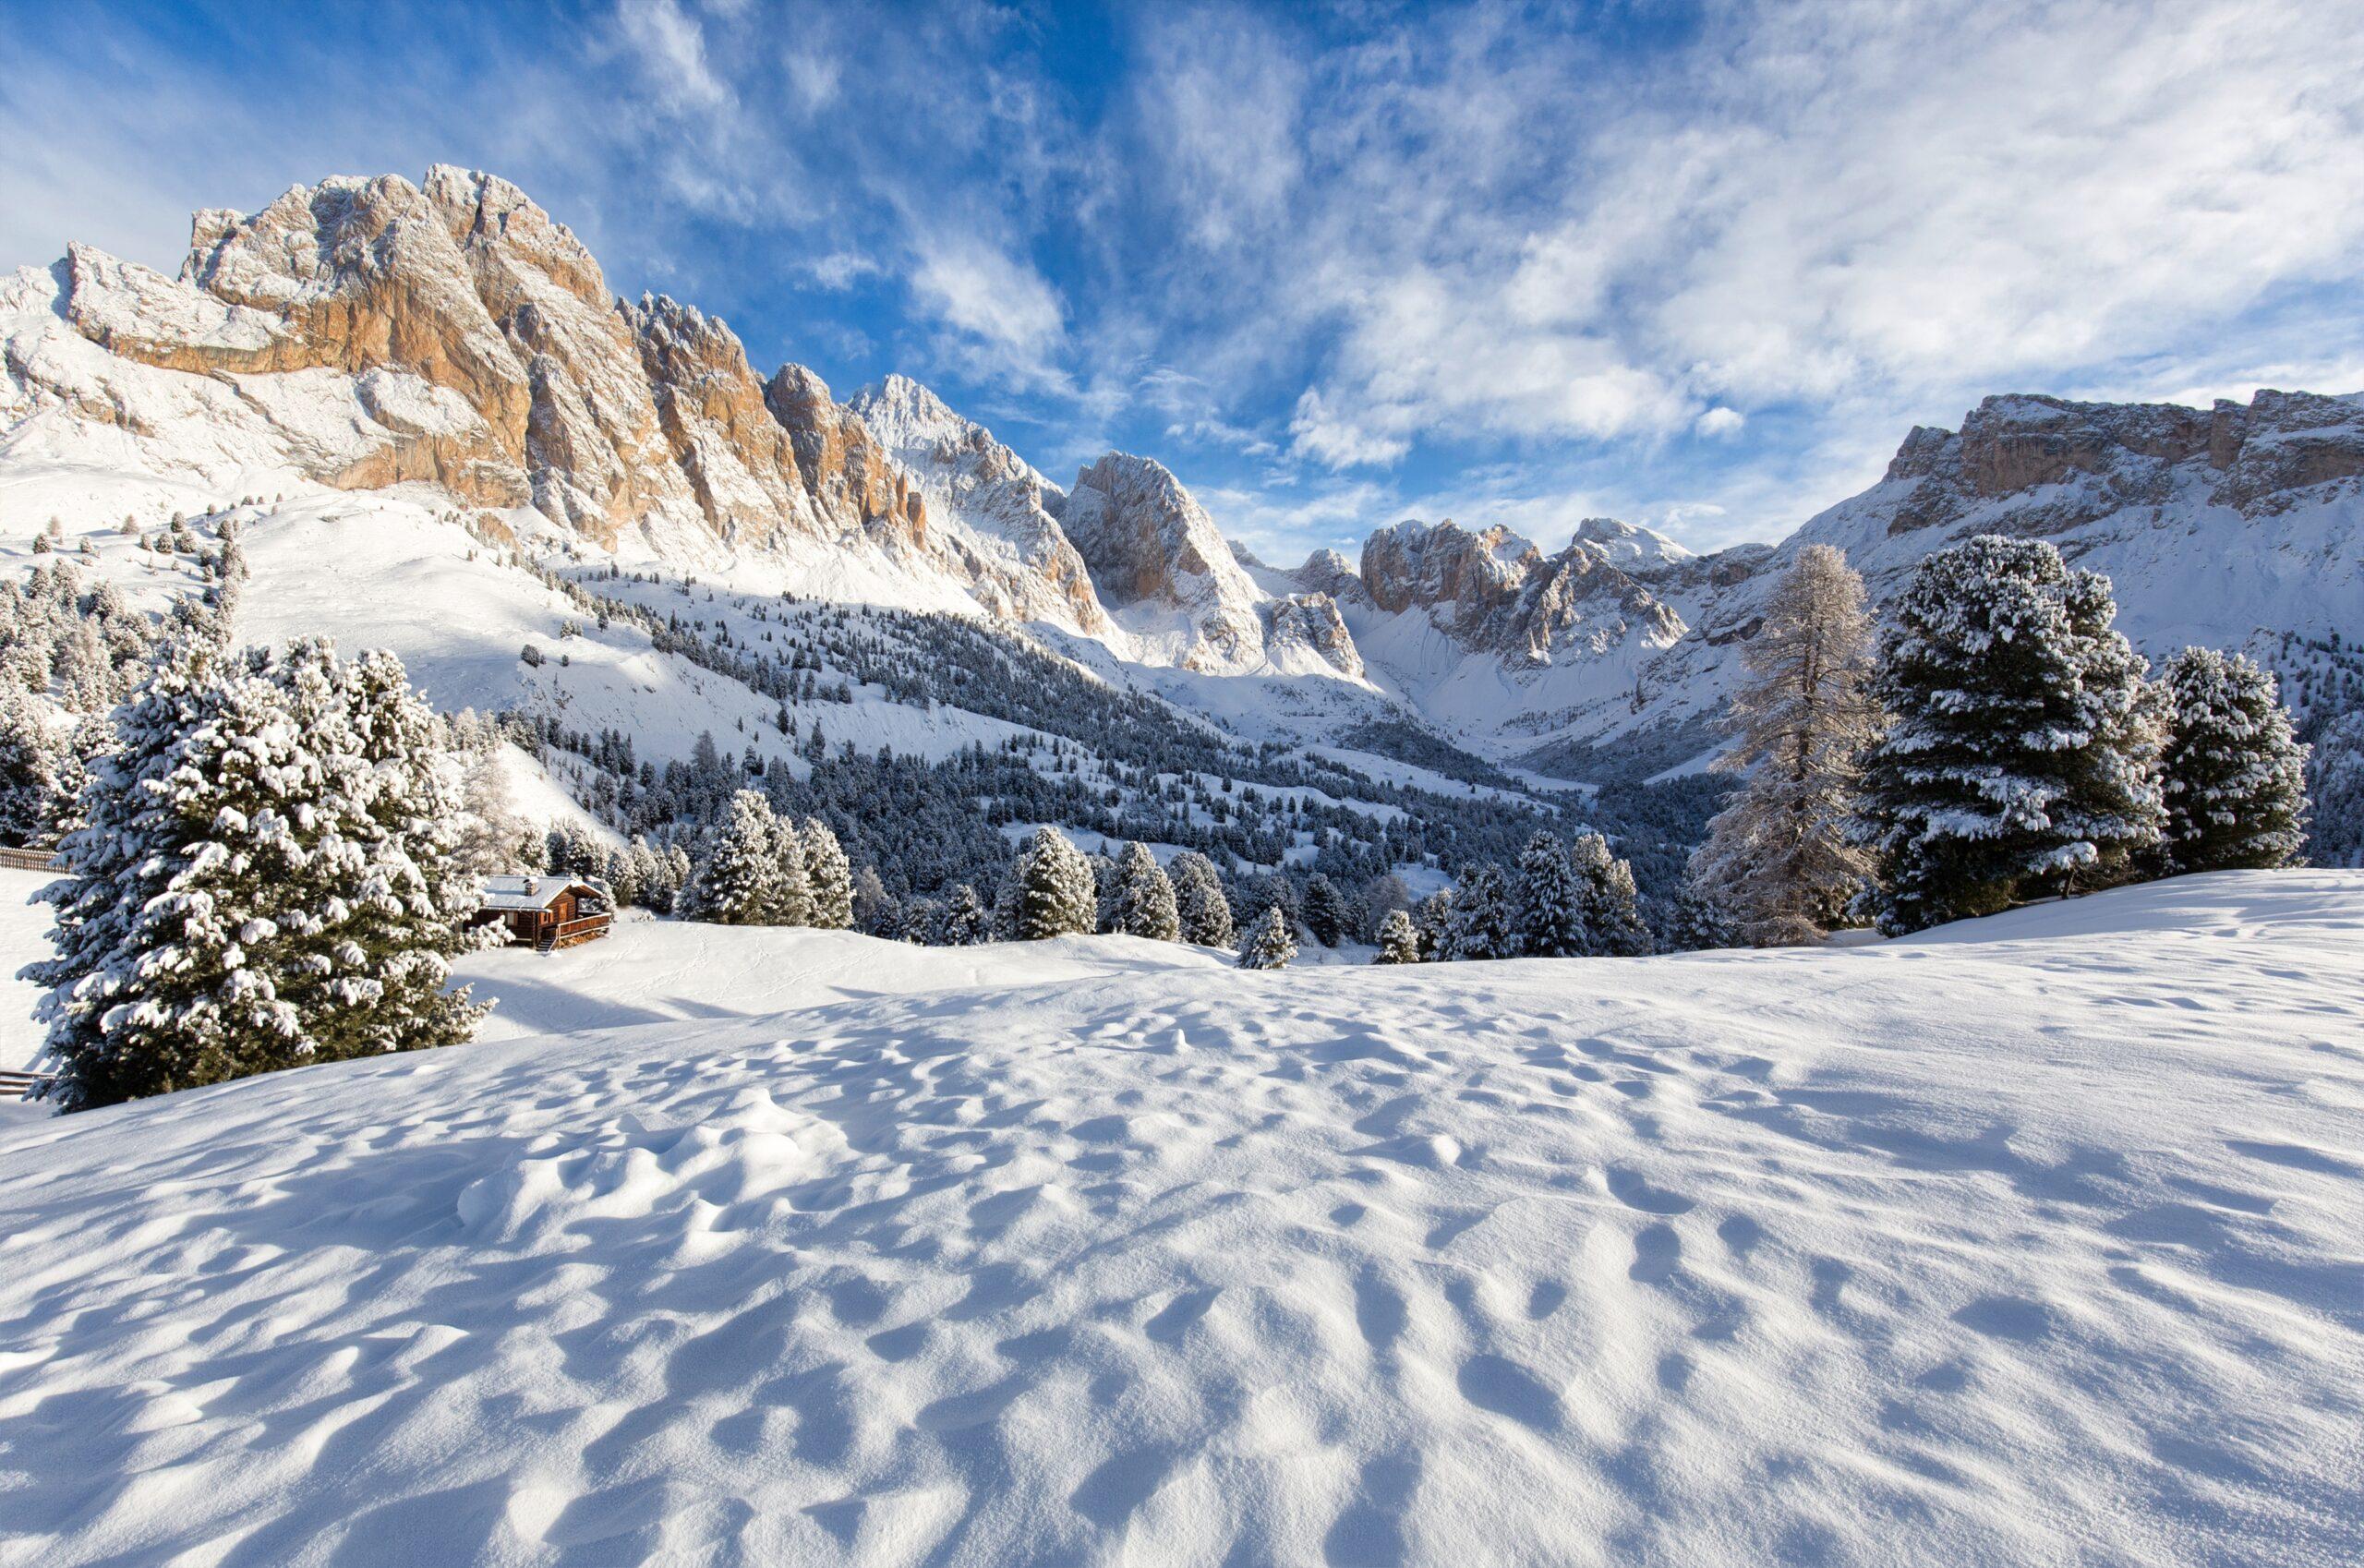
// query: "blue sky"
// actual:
[[1699, 266]]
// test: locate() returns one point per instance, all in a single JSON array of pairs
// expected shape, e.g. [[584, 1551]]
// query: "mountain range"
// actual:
[[442, 365]]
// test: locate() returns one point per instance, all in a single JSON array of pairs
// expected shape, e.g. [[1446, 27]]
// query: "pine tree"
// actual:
[[1198, 899], [736, 884], [1696, 923], [967, 921], [263, 877], [830, 877], [399, 897], [1269, 944], [1055, 889], [29, 802], [1483, 924], [791, 893], [1326, 916], [1550, 899], [1399, 942], [1434, 920], [1612, 910], [1781, 856], [1142, 902], [2022, 759], [2235, 774]]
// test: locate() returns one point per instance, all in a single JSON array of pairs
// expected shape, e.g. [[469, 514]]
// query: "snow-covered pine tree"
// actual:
[[1484, 924], [967, 921], [399, 896], [2023, 749], [792, 897], [1612, 907], [263, 878], [1141, 899], [876, 911], [1326, 916], [2235, 774], [28, 783], [737, 883], [1432, 918], [575, 851], [1056, 896], [1550, 899], [1269, 943], [1200, 902], [1399, 941], [829, 877], [1696, 923], [1781, 857]]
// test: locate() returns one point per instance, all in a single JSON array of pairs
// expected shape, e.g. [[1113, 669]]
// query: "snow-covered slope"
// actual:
[[2033, 1243]]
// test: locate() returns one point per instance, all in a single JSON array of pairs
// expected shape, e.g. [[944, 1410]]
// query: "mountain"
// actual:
[[447, 355]]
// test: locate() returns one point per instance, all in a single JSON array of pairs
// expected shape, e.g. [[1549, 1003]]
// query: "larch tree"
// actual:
[[1782, 858], [2233, 772]]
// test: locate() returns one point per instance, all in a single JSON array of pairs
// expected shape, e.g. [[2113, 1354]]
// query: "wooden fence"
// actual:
[[15, 859]]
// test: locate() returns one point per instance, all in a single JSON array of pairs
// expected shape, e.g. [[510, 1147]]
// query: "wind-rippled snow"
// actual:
[[2034, 1242]]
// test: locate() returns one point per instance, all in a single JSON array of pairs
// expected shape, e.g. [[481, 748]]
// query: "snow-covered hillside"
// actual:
[[2030, 1242]]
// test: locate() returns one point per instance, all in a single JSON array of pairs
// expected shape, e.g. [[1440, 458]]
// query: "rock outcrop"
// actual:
[[1494, 592], [1147, 541]]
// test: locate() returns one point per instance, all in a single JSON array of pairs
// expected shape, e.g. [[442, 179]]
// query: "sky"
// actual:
[[1699, 266]]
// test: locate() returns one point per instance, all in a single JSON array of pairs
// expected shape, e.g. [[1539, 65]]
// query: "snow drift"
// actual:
[[2030, 1242]]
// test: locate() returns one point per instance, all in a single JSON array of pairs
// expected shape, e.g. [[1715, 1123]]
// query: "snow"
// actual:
[[24, 936], [2032, 1240]]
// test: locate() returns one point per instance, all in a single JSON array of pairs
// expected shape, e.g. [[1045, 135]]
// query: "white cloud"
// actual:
[[840, 269], [671, 49], [976, 288], [1324, 438], [1719, 421]]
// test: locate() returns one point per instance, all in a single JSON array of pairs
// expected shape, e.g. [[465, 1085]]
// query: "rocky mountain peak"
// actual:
[[1147, 540]]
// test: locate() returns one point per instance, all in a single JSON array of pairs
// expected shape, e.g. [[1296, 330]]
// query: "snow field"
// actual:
[[2034, 1242]]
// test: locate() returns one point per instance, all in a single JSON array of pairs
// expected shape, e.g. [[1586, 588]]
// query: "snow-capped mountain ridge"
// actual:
[[364, 334]]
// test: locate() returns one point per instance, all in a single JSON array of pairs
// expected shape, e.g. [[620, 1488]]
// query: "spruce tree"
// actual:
[[1781, 856], [2022, 756], [1055, 895], [1696, 923], [1399, 942], [1269, 943], [1200, 902], [2234, 773], [737, 883], [1141, 900], [1550, 899], [1613, 908], [829, 877], [1483, 924], [1326, 916]]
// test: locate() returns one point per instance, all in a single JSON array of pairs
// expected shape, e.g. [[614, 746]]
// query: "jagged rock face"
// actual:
[[850, 474], [1495, 592], [605, 415], [2100, 457], [1023, 564], [1312, 622], [1147, 541]]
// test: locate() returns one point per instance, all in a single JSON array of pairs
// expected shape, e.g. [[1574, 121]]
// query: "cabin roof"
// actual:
[[533, 892]]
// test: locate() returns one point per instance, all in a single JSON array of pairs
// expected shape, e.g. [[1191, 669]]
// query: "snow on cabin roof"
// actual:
[[531, 892]]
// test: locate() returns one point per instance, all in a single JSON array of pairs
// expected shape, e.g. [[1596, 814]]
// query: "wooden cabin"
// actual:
[[548, 911]]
